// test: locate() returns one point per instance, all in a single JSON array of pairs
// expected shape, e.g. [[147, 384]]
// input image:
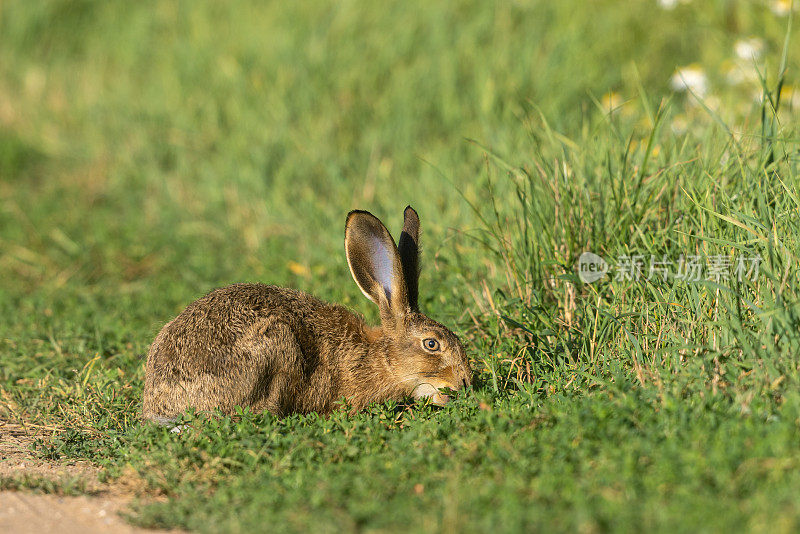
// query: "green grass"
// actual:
[[152, 151], [65, 485]]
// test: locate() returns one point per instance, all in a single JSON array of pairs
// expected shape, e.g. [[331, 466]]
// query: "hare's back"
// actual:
[[224, 317], [217, 352]]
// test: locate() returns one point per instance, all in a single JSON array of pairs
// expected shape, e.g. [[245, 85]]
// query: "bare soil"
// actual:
[[27, 511]]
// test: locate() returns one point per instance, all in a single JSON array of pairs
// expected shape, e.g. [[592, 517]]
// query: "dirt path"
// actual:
[[26, 513], [29, 512]]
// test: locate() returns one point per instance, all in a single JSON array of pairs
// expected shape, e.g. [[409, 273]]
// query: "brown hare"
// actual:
[[281, 350]]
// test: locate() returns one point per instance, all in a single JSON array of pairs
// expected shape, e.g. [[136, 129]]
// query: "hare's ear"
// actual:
[[408, 248], [375, 264]]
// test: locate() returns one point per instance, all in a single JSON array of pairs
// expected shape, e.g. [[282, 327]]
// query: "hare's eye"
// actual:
[[430, 344]]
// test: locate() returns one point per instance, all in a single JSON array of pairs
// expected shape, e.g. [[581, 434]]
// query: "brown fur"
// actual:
[[281, 350]]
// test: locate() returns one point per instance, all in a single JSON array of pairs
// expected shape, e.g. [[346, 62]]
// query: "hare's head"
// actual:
[[422, 355]]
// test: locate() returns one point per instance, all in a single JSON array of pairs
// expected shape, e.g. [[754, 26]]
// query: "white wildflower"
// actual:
[[671, 4], [750, 49], [782, 7], [691, 78], [740, 71]]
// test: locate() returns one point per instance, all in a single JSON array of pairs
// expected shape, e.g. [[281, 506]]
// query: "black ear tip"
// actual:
[[410, 220]]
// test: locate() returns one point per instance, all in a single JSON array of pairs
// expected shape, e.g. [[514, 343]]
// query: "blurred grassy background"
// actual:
[[182, 145], [152, 151]]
